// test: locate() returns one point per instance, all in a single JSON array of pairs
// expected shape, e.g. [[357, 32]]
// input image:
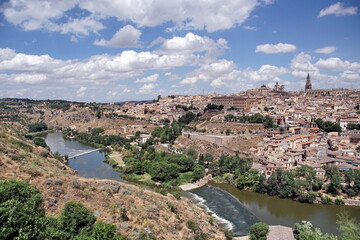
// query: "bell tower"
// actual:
[[308, 83]]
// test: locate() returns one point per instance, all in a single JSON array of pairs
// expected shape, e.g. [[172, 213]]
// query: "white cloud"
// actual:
[[267, 2], [336, 64], [111, 94], [224, 74], [249, 78], [18, 62], [81, 91], [275, 48], [349, 71], [351, 75], [302, 62], [326, 50], [126, 90], [147, 88], [171, 76], [199, 15], [35, 15], [6, 54], [209, 72], [193, 43], [74, 39], [29, 78], [151, 78], [250, 28], [98, 69], [338, 9], [127, 36], [82, 26]]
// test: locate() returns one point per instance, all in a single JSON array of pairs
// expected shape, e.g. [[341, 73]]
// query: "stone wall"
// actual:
[[236, 128]]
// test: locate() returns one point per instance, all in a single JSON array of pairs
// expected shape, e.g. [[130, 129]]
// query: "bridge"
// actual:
[[84, 153]]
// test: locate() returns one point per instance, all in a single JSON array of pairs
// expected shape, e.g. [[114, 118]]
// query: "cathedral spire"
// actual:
[[308, 83]]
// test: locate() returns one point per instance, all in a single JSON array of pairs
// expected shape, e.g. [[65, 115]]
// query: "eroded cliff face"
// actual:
[[164, 215]]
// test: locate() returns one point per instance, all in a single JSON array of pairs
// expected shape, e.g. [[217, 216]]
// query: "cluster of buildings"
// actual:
[[299, 141], [307, 146]]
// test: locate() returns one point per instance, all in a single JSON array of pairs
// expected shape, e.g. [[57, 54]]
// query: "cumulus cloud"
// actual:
[[224, 74], [275, 48], [171, 76], [348, 72], [209, 72], [147, 88], [35, 15], [82, 26], [326, 50], [98, 69], [81, 91], [249, 78], [338, 9], [193, 43], [151, 78], [127, 36], [29, 78], [199, 15], [336, 64]]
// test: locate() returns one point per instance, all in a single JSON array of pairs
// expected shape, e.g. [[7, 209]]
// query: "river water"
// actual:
[[231, 207], [90, 165], [219, 198]]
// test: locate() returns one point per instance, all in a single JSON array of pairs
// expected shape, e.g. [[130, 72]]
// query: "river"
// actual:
[[90, 165], [271, 210], [231, 207]]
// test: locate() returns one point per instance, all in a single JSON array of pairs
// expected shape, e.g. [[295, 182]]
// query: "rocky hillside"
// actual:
[[163, 215]]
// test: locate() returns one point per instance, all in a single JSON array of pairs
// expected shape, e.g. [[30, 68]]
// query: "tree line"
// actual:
[[301, 184], [256, 118], [163, 166]]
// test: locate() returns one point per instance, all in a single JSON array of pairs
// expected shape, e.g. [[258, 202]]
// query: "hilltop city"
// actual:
[[303, 145]]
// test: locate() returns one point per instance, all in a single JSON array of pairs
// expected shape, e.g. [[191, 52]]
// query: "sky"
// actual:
[[119, 50]]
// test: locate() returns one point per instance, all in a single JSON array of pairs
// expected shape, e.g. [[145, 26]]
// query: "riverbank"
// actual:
[[276, 232], [191, 186], [319, 199], [286, 212]]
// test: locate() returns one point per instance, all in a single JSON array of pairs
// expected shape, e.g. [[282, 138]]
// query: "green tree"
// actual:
[[21, 211], [261, 186], [100, 231], [247, 180], [335, 179], [305, 231], [348, 227], [185, 163], [208, 158], [259, 231], [198, 173], [191, 152], [39, 141], [328, 126], [162, 171], [352, 126], [76, 218], [281, 183], [37, 127]]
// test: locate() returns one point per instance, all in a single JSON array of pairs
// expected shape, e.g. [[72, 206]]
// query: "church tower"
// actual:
[[308, 83]]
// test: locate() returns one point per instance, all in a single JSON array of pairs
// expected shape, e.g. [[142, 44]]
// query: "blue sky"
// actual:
[[117, 50]]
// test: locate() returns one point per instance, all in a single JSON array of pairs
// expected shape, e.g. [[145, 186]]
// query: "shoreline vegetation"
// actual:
[[180, 171]]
